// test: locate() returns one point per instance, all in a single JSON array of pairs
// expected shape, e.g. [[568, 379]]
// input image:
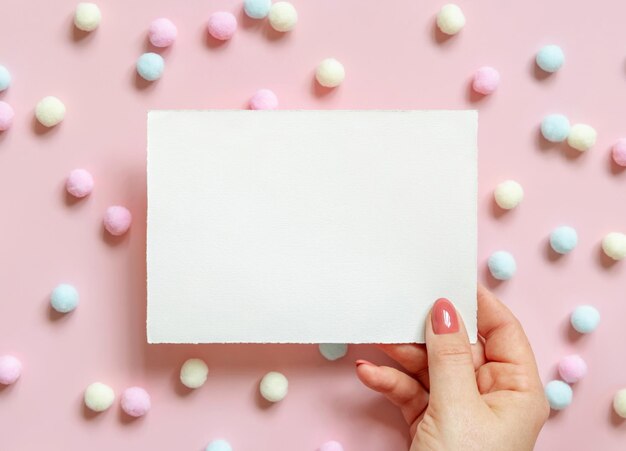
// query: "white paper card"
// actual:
[[309, 226]]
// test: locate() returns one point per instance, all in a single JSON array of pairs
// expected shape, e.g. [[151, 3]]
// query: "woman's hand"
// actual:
[[460, 397]]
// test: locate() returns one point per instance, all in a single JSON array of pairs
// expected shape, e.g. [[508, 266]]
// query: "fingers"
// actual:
[[412, 357]]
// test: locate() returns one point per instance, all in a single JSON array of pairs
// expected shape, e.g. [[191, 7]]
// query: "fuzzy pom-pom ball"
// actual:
[[330, 73], [274, 386], [150, 66], [333, 351], [559, 394], [135, 401], [50, 111], [64, 298], [572, 368], [619, 403], [555, 128], [331, 446], [10, 369], [117, 220], [6, 116], [618, 152], [222, 25], [508, 194], [563, 239], [614, 245], [450, 19], [585, 319], [486, 80], [99, 397], [87, 16], [193, 373], [219, 445], [550, 58], [283, 16], [162, 32], [581, 137], [5, 78], [79, 183], [257, 9], [264, 99], [502, 265]]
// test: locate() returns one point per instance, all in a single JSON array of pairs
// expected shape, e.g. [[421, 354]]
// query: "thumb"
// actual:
[[450, 365]]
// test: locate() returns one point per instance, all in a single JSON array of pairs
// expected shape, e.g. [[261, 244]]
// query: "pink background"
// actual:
[[394, 59]]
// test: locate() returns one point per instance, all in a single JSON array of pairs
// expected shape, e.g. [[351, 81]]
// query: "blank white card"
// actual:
[[309, 226]]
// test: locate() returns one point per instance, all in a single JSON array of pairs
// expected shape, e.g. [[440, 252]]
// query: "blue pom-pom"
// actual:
[[502, 265], [5, 78], [550, 58], [257, 9], [333, 351], [559, 394], [563, 239], [219, 445], [585, 319], [150, 66], [555, 128], [64, 298]]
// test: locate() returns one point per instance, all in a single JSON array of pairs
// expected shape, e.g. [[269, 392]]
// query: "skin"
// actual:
[[457, 396]]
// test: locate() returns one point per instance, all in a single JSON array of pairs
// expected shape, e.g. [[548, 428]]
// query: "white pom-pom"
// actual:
[[50, 111], [274, 386], [330, 73], [193, 373], [99, 397], [508, 194], [619, 403], [581, 137], [87, 16], [614, 245], [450, 19], [283, 16]]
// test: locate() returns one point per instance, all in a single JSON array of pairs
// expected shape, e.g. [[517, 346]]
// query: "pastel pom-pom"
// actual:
[[619, 403], [222, 25], [572, 368], [6, 116], [193, 373], [508, 194], [162, 32], [618, 152], [5, 78], [502, 265], [331, 446], [117, 220], [555, 128], [333, 351], [79, 183], [257, 9], [559, 394], [99, 397], [150, 66], [219, 445], [10, 369], [585, 319], [64, 298], [283, 16], [135, 401], [563, 239], [264, 99], [581, 137], [550, 58], [614, 245], [50, 111], [486, 80], [87, 16], [274, 386], [330, 73], [450, 19]]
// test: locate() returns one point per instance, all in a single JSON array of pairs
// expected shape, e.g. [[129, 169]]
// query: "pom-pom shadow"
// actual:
[[614, 418], [473, 96], [77, 35], [259, 400], [163, 51], [613, 167], [438, 36], [127, 419], [179, 388], [55, 316], [248, 23], [320, 91], [42, 130], [537, 72], [551, 254], [141, 83], [496, 210], [272, 35], [87, 413], [490, 281], [114, 240], [544, 145], [569, 333], [604, 260]]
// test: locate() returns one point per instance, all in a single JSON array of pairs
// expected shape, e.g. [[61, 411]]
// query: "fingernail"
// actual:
[[363, 362], [444, 317]]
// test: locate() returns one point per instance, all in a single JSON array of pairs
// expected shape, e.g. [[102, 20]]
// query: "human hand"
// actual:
[[465, 397]]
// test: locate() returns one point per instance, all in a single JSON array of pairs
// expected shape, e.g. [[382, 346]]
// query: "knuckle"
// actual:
[[456, 354]]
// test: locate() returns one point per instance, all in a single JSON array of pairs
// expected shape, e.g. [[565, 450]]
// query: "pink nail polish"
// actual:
[[363, 362], [444, 318]]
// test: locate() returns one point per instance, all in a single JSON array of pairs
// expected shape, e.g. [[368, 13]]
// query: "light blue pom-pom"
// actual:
[[550, 58], [257, 9], [5, 78], [502, 265], [150, 66], [64, 298], [585, 319], [559, 394], [563, 239], [219, 445], [333, 351], [555, 128]]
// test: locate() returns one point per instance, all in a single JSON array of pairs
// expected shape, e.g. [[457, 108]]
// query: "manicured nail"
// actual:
[[443, 317], [363, 362]]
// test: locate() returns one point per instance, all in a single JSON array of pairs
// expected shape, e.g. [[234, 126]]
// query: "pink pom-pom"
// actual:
[[135, 401], [619, 152], [486, 80], [117, 220], [331, 446], [6, 116], [222, 25], [572, 368], [79, 183], [10, 369], [162, 32], [264, 99]]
